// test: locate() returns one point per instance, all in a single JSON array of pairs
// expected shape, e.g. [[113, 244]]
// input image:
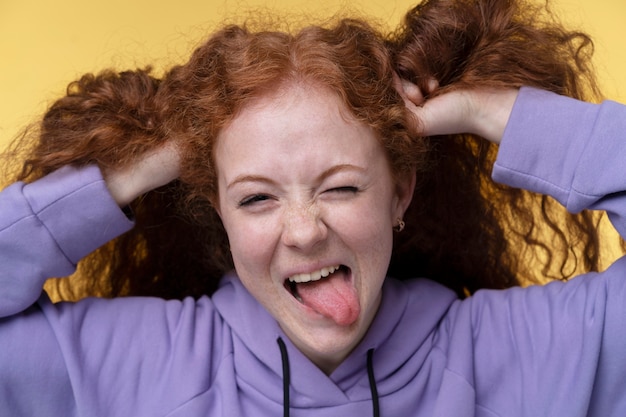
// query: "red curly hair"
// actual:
[[470, 232], [463, 230]]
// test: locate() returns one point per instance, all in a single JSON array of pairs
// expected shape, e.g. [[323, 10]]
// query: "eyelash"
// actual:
[[248, 201], [345, 189], [253, 199]]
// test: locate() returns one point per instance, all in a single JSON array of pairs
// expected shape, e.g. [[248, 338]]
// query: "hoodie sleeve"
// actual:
[[571, 150], [558, 349], [96, 357], [47, 226]]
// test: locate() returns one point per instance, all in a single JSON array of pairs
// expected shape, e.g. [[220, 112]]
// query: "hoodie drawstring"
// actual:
[[373, 389], [287, 377]]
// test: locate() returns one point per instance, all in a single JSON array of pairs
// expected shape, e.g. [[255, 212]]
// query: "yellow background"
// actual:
[[45, 44]]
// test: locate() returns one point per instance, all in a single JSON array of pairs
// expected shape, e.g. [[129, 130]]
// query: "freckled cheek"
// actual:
[[368, 232], [251, 244], [363, 223]]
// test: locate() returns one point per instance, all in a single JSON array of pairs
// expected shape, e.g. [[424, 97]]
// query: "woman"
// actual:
[[307, 155]]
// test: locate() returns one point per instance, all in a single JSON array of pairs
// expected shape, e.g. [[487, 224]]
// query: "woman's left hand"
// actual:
[[484, 112]]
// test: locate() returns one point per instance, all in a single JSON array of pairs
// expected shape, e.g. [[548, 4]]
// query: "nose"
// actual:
[[303, 227]]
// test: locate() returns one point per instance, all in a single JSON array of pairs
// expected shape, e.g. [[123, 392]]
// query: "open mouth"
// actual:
[[328, 292], [292, 283]]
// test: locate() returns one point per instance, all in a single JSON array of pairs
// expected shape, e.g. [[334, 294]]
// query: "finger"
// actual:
[[412, 92], [437, 116], [407, 90], [432, 84]]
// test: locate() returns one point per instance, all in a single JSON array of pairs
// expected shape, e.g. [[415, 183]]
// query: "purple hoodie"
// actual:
[[554, 350]]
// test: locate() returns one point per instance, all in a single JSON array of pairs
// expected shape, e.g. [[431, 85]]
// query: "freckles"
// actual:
[[248, 247], [252, 241]]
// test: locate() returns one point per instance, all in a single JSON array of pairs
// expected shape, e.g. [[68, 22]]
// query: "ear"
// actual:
[[405, 186]]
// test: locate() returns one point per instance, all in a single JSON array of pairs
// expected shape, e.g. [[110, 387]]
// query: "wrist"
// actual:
[[124, 186], [492, 110], [151, 171]]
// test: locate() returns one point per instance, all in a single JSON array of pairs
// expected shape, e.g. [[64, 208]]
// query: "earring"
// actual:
[[399, 225]]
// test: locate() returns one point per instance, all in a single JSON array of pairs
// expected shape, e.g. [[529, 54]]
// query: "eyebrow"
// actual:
[[327, 173]]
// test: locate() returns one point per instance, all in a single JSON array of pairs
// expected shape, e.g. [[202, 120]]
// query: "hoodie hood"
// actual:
[[401, 336]]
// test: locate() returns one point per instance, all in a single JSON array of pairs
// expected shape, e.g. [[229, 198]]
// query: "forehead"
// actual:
[[289, 99], [297, 125]]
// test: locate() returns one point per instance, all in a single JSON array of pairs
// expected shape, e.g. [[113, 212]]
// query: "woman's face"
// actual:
[[308, 202]]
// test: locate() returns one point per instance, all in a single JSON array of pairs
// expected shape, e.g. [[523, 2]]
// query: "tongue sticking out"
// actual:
[[333, 297]]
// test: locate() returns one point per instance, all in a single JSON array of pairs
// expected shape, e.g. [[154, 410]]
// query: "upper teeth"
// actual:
[[314, 276]]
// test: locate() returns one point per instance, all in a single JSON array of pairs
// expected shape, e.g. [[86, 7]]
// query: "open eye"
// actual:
[[250, 200]]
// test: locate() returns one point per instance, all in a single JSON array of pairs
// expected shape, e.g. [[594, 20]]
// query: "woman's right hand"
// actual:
[[154, 169], [481, 111]]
